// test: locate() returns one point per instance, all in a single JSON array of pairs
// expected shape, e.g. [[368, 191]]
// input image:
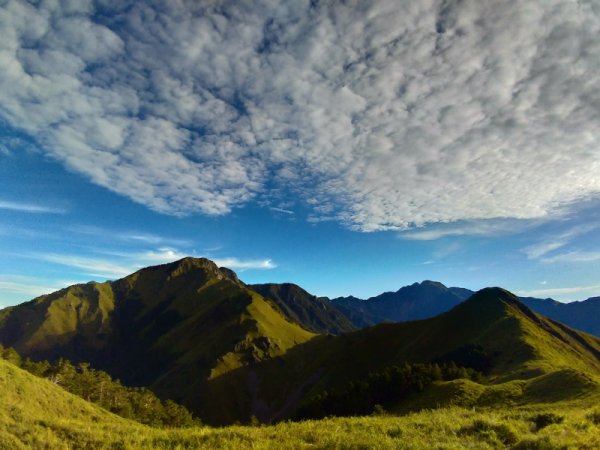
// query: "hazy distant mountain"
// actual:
[[193, 332], [583, 315], [316, 314], [417, 301], [429, 298]]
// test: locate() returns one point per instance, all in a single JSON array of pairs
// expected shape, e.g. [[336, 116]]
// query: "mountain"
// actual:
[[417, 301], [430, 298], [581, 315], [174, 328], [316, 314], [528, 357], [195, 333]]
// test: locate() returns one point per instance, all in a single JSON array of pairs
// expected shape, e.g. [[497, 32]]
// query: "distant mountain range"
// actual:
[[430, 298], [195, 333], [414, 302]]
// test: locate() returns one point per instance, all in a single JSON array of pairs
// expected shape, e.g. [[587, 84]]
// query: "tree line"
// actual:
[[382, 389], [136, 403]]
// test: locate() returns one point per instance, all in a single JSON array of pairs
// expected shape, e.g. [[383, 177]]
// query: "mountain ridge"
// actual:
[[195, 333], [317, 314], [577, 314]]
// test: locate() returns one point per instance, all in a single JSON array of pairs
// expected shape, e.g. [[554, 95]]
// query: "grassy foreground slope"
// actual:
[[35, 413]]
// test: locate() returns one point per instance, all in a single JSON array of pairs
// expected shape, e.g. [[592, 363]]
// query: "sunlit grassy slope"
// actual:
[[173, 328], [34, 413]]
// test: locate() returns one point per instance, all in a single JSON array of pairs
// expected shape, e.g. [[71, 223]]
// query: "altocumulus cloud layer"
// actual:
[[383, 114]]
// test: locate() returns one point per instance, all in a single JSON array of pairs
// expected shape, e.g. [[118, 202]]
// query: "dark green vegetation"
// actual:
[[382, 389], [193, 333], [96, 386]]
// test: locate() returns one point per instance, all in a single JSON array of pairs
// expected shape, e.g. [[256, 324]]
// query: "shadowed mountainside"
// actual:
[[314, 313], [530, 359]]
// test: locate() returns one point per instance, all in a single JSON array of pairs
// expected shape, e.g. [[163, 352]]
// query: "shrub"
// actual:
[[594, 417], [544, 419], [378, 410], [491, 432], [538, 444]]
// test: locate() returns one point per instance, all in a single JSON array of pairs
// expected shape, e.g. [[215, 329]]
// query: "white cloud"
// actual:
[[382, 115], [447, 250], [28, 286], [159, 256], [30, 208], [90, 266], [236, 264], [120, 264], [474, 228], [128, 236], [573, 257], [281, 210], [554, 242], [560, 291]]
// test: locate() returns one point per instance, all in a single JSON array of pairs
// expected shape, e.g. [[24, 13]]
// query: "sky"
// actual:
[[349, 147]]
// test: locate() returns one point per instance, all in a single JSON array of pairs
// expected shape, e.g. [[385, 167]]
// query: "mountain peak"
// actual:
[[432, 283], [191, 264], [492, 303], [494, 293]]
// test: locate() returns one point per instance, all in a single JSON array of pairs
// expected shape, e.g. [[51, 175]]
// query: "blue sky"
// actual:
[[348, 149]]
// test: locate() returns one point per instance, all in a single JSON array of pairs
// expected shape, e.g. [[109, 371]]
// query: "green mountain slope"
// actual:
[[529, 356], [314, 313], [173, 327], [28, 404]]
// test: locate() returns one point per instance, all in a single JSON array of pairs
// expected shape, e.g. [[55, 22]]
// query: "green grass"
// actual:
[[34, 413]]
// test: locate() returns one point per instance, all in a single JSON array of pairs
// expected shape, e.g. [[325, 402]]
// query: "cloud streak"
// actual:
[[29, 286], [560, 291], [550, 243], [30, 208], [234, 263], [474, 228], [91, 266], [379, 115], [118, 265], [573, 257], [129, 236]]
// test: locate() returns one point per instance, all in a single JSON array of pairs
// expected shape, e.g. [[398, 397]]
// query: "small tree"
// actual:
[[11, 355]]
